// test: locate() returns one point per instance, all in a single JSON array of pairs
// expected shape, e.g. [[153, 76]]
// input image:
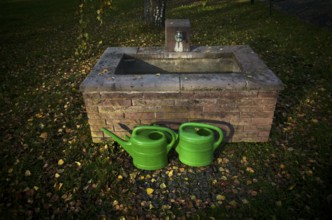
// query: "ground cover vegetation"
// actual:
[[50, 168]]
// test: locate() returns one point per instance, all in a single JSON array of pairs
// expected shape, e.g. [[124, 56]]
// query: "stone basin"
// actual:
[[227, 86], [152, 64], [204, 68]]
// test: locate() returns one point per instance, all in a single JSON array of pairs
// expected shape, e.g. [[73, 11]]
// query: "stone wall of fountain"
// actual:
[[242, 115], [227, 86]]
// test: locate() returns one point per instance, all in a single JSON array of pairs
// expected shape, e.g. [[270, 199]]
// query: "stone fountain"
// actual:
[[227, 86]]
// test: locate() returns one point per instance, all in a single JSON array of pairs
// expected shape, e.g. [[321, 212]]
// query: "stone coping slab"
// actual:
[[254, 74]]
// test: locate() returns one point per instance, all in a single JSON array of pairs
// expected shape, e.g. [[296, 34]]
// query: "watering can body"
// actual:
[[148, 146], [197, 143]]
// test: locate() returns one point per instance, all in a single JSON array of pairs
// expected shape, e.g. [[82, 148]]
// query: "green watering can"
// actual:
[[148, 146], [197, 143]]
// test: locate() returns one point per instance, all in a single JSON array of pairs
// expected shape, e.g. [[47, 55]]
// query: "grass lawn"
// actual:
[[50, 168]]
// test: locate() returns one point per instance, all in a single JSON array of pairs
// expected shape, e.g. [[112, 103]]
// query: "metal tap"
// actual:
[[178, 36]]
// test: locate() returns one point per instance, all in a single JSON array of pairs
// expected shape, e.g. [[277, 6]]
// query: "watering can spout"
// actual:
[[125, 144]]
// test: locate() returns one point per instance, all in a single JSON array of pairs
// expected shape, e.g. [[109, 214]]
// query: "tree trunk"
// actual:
[[154, 12]]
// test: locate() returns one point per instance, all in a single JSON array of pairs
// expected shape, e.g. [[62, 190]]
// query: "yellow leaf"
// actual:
[[115, 202], [233, 203], [221, 197], [149, 191], [61, 162], [133, 175], [254, 193], [78, 163], [278, 203], [245, 201], [38, 115], [27, 173], [315, 121], [57, 175], [250, 170], [309, 172], [58, 186], [67, 197], [291, 187], [43, 135], [163, 186]]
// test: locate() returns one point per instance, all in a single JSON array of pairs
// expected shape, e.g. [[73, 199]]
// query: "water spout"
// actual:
[[178, 39], [177, 35]]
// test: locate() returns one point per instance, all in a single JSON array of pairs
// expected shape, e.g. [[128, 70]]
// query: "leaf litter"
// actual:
[[52, 168]]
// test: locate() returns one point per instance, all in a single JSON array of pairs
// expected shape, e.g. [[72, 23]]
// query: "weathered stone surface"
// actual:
[[108, 75], [146, 82]]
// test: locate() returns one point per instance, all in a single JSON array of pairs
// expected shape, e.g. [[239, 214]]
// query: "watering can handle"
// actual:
[[157, 128], [200, 125]]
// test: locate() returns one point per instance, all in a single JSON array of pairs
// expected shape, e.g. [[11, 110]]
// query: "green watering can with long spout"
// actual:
[[148, 146], [197, 143]]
